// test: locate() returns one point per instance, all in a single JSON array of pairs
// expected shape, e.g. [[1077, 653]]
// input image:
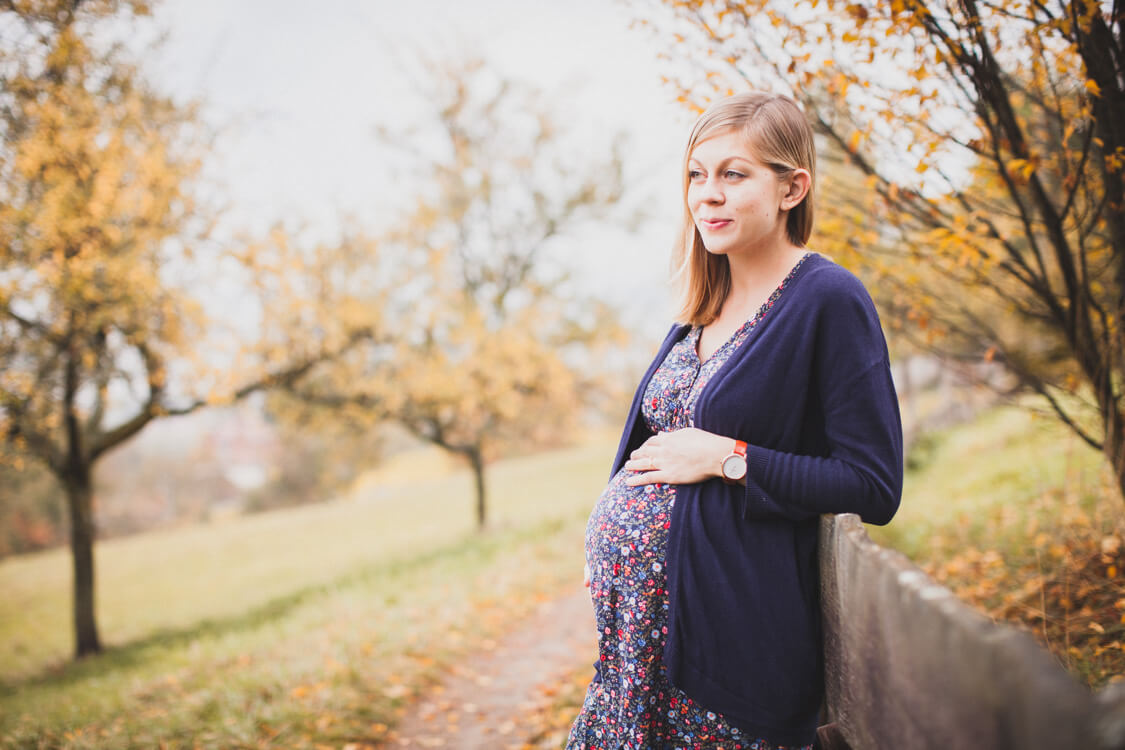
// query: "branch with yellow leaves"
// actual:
[[153, 407]]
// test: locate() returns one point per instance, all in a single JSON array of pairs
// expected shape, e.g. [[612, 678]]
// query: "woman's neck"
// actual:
[[755, 274]]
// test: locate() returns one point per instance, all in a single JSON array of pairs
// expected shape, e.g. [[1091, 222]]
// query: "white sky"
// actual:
[[298, 88]]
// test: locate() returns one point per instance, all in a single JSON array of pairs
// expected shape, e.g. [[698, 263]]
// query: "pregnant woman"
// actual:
[[768, 404]]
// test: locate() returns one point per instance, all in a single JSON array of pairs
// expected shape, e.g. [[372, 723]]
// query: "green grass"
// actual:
[[313, 626], [993, 483], [1025, 522], [292, 628]]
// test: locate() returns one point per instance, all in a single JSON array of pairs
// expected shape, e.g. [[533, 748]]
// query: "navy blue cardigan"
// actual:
[[810, 391]]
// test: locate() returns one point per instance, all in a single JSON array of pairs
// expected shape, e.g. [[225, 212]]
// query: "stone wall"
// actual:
[[909, 666]]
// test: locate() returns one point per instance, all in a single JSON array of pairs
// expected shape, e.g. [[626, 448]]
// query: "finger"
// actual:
[[640, 452], [644, 461], [647, 477]]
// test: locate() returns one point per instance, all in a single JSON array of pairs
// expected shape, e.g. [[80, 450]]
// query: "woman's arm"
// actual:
[[862, 473], [858, 466]]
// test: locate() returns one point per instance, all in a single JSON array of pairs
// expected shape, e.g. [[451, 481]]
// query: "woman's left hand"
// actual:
[[678, 457]]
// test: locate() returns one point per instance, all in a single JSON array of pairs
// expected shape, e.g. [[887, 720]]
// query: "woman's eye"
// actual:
[[694, 174], [730, 174]]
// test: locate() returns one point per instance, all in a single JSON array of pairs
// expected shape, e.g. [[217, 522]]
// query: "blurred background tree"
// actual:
[[101, 244], [318, 456], [991, 141], [32, 506], [495, 350]]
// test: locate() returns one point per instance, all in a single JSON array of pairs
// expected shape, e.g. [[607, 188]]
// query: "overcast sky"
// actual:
[[299, 87]]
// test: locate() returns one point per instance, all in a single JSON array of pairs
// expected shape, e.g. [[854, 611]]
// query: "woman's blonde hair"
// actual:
[[779, 135]]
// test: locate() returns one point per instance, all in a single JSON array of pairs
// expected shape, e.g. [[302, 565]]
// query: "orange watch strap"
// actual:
[[739, 450]]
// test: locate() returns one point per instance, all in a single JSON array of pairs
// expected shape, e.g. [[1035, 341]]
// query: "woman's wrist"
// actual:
[[727, 446], [734, 464]]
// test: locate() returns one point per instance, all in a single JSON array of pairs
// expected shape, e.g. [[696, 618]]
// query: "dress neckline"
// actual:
[[753, 320]]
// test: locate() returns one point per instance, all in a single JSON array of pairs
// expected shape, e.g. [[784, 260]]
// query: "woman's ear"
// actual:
[[799, 183]]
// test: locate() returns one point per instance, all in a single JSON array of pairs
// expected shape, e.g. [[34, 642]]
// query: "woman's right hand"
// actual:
[[586, 575]]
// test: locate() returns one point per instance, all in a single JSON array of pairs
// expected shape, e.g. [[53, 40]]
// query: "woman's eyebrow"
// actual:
[[725, 161], [736, 157]]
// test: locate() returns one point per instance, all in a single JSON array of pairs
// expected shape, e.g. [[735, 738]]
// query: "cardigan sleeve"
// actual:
[[860, 468]]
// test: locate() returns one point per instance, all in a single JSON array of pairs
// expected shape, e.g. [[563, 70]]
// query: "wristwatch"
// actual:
[[733, 467]]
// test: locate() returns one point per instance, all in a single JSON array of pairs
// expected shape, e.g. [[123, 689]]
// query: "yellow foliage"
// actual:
[[985, 212], [98, 230], [486, 351]]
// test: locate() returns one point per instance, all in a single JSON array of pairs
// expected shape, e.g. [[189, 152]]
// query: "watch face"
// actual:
[[734, 467]]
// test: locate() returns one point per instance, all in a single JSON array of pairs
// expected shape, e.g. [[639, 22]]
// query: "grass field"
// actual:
[[986, 483], [312, 627], [294, 628]]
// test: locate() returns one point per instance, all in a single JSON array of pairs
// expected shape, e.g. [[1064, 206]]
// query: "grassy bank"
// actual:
[[984, 484], [295, 628], [1023, 520]]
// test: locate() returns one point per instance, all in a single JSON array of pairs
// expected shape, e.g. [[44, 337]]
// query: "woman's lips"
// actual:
[[714, 224]]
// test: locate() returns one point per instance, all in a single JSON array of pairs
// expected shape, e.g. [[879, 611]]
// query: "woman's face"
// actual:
[[735, 200]]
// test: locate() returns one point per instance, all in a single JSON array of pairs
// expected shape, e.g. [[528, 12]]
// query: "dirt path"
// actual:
[[480, 703]]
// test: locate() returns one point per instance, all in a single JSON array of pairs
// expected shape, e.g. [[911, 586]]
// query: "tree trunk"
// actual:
[[476, 460], [79, 497], [1113, 445]]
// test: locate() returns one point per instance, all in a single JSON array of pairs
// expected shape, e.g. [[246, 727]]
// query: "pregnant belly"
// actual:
[[625, 517]]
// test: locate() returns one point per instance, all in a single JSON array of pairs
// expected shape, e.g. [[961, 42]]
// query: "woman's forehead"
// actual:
[[722, 145]]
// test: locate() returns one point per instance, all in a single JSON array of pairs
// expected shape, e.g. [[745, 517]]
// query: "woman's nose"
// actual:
[[710, 192]]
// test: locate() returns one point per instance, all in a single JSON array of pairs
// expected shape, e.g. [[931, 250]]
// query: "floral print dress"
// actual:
[[633, 706]]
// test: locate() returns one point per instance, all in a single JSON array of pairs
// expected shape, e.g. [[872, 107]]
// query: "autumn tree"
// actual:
[[31, 509], [99, 237], [494, 349], [992, 138]]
